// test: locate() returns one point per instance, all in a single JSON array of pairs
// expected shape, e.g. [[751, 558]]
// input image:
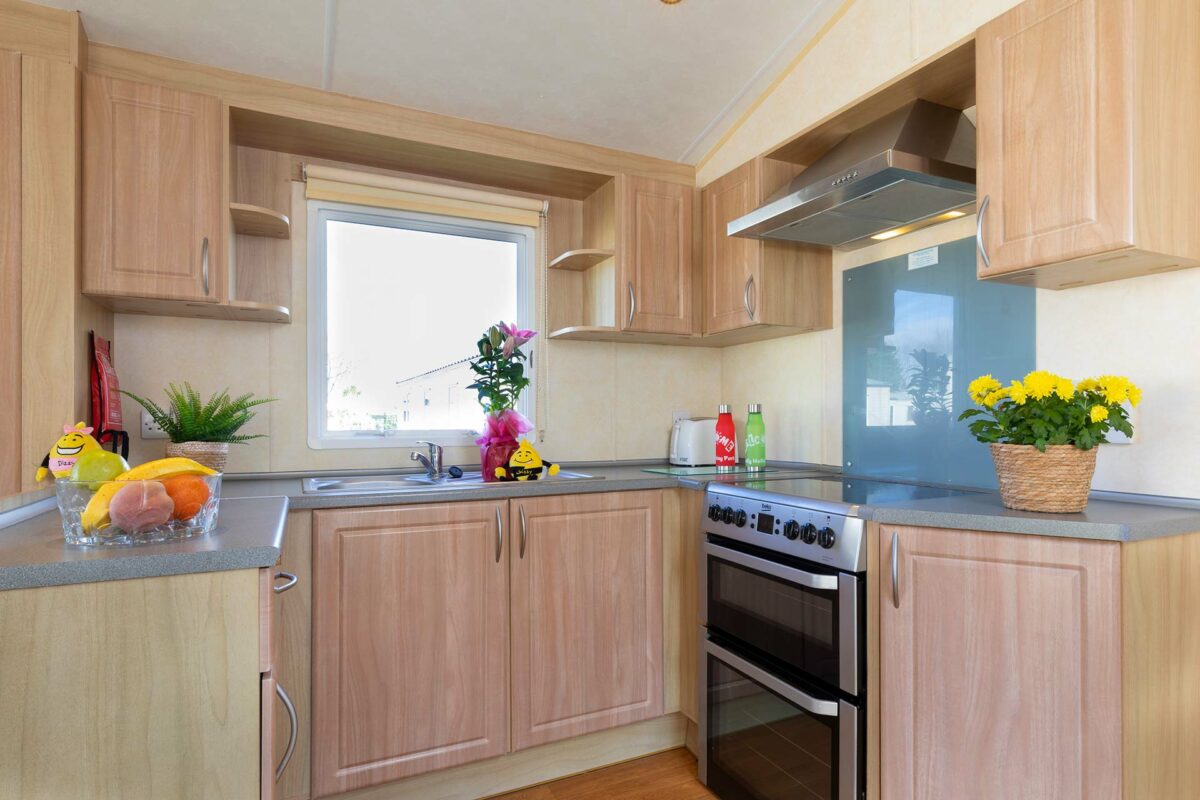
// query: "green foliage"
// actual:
[[500, 371], [186, 418], [929, 386]]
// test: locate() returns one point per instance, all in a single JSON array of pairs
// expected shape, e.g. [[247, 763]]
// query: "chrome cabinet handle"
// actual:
[[499, 534], [291, 581], [524, 529], [896, 570], [746, 297], [295, 727], [204, 263], [632, 304], [983, 207]]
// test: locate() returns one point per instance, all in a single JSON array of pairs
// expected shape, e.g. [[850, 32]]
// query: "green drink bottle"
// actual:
[[756, 438]]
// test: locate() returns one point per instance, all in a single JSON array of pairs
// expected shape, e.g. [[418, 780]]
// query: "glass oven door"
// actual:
[[764, 739], [807, 619]]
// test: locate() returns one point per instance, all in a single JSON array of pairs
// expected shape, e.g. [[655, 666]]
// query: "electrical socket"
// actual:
[[150, 429]]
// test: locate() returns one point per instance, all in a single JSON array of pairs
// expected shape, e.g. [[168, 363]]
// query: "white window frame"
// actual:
[[320, 212]]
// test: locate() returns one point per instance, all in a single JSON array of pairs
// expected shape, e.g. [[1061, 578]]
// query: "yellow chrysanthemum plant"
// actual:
[[1046, 409]]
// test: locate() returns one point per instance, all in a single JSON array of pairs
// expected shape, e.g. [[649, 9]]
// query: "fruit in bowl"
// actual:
[[97, 466], [171, 498], [140, 505]]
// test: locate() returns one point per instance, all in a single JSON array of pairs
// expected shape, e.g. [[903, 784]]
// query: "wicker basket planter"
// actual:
[[1056, 481], [211, 454]]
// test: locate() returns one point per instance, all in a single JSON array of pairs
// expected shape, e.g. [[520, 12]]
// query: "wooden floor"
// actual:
[[666, 776]]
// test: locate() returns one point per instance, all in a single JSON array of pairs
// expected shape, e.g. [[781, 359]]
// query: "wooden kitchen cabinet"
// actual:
[[587, 601], [409, 641], [654, 256], [1000, 666], [132, 689], [1087, 111], [155, 210], [753, 288]]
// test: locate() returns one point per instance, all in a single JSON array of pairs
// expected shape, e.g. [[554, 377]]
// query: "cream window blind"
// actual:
[[405, 194]]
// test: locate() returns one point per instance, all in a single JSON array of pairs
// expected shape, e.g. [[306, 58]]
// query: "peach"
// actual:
[[140, 506]]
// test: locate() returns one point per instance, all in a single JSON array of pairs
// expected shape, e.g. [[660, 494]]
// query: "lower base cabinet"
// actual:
[[586, 614], [1024, 666], [411, 630], [410, 641]]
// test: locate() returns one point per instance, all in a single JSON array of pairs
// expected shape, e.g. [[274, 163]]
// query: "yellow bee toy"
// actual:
[[74, 442], [525, 465]]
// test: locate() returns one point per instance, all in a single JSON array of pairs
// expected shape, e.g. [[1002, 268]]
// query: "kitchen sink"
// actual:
[[386, 484]]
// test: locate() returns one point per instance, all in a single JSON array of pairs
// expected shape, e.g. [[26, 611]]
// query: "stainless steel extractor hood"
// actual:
[[915, 164]]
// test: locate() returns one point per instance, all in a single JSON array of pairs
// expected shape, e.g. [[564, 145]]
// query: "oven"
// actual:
[[782, 654]]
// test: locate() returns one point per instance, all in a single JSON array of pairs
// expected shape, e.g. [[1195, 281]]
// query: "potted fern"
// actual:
[[202, 430]]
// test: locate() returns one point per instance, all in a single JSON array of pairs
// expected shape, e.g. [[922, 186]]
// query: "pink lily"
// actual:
[[514, 337]]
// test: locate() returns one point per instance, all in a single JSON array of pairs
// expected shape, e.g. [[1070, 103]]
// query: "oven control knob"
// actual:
[[714, 512], [727, 514], [791, 529], [739, 519], [826, 537], [808, 533]]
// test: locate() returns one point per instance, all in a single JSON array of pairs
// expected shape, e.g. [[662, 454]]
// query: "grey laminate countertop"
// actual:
[[1108, 516], [607, 478], [249, 535], [1112, 520]]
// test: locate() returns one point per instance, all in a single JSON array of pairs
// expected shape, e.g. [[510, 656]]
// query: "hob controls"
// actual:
[[826, 537], [727, 514], [714, 512], [808, 533], [739, 519], [791, 529]]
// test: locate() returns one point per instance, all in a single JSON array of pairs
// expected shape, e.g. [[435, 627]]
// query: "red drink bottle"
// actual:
[[726, 439]]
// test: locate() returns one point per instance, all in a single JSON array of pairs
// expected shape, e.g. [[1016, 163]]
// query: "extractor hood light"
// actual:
[[892, 234], [954, 214]]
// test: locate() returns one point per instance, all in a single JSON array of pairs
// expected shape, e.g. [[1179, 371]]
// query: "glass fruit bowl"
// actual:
[[138, 512]]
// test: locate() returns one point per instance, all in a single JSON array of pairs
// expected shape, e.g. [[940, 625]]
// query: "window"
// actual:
[[397, 301]]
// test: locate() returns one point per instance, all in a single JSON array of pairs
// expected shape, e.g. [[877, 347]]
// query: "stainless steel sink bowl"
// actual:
[[387, 484]]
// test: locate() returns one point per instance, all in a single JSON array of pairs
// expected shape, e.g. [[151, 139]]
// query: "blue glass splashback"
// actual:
[[913, 337]]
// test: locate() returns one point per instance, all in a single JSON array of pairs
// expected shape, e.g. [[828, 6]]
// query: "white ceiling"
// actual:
[[636, 75]]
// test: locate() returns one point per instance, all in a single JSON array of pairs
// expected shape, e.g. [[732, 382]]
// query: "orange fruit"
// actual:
[[189, 493]]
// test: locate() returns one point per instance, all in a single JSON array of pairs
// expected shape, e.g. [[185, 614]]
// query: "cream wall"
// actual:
[[1144, 327], [602, 401]]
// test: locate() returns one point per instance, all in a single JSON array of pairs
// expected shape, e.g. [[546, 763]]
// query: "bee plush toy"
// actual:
[[525, 465], [74, 442]]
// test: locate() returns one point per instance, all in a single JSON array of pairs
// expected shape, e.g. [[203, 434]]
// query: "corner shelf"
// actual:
[[580, 260], [250, 220]]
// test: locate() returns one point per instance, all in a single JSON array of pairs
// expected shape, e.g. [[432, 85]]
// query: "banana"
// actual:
[[96, 514]]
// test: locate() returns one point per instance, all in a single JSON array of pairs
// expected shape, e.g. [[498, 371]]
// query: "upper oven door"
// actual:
[[809, 620]]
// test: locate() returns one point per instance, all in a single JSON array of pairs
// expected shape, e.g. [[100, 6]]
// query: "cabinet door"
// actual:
[[586, 614], [654, 239], [1000, 666], [153, 210], [1053, 84], [410, 642], [732, 276], [11, 463]]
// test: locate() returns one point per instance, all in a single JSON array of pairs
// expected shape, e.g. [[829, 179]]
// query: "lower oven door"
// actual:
[[764, 739]]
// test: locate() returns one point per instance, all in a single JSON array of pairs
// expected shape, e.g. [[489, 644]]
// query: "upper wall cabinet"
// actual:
[[654, 255], [758, 289], [626, 264], [154, 215], [1087, 111]]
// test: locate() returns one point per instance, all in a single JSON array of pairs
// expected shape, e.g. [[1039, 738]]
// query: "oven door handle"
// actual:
[[828, 583], [822, 708]]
